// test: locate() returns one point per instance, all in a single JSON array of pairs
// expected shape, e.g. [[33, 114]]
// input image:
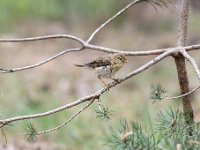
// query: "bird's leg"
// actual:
[[103, 81], [115, 79]]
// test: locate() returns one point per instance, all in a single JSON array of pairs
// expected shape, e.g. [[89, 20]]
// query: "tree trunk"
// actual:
[[184, 87], [180, 63]]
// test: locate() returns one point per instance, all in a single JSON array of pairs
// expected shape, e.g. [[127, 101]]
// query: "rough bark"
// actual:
[[184, 87], [180, 63]]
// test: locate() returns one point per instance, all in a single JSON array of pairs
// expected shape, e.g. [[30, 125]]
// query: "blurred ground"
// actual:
[[59, 82]]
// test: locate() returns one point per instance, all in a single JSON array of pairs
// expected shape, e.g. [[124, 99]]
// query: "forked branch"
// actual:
[[84, 47]]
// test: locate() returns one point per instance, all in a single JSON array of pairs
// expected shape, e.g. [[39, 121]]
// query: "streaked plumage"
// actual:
[[106, 66]]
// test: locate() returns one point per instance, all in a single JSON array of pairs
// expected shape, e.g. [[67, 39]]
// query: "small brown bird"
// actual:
[[106, 66]]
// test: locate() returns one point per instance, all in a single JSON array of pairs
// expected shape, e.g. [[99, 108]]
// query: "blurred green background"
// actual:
[[59, 82]]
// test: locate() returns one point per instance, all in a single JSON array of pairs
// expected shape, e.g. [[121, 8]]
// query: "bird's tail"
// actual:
[[77, 65]]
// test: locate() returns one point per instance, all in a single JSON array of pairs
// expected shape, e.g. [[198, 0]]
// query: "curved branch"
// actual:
[[186, 94], [112, 18], [139, 53], [47, 37], [127, 53], [99, 48], [53, 111], [66, 122], [196, 68], [193, 63], [40, 63]]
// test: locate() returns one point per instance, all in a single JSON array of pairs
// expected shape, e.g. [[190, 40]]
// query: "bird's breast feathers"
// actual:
[[104, 71]]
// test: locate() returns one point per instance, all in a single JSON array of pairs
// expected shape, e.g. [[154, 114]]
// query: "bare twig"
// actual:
[[100, 48], [40, 63], [186, 94], [99, 104], [47, 37], [97, 48], [112, 18], [66, 122], [192, 47], [147, 65], [159, 3], [193, 63], [127, 53], [196, 68], [53, 111]]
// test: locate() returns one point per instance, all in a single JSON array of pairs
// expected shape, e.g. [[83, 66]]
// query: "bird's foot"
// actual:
[[107, 87], [116, 80], [105, 84]]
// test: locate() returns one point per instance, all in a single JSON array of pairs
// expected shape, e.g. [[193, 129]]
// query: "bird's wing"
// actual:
[[101, 61]]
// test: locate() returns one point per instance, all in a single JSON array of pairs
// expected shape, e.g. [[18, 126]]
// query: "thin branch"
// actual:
[[192, 47], [47, 37], [53, 111], [139, 53], [193, 63], [159, 3], [40, 63], [98, 48], [147, 65], [127, 53], [112, 18], [196, 68], [90, 97], [186, 94], [66, 122]]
